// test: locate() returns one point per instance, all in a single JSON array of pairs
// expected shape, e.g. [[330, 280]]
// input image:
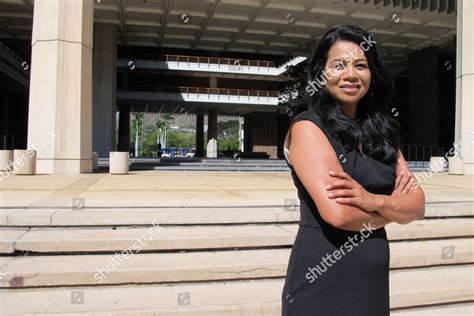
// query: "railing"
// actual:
[[421, 153], [261, 97], [228, 92], [238, 64], [208, 64]]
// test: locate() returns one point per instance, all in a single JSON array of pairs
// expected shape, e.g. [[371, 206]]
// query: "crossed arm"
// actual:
[[350, 206]]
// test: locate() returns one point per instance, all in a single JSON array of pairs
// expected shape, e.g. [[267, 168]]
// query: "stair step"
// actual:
[[192, 164], [139, 216], [210, 168], [449, 209], [408, 288], [212, 164], [200, 237], [451, 310], [168, 238], [431, 228], [127, 267], [185, 215], [197, 160]]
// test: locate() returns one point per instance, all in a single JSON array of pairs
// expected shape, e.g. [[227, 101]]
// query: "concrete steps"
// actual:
[[211, 168], [180, 238], [68, 270], [220, 164], [453, 309], [186, 215], [408, 288], [207, 260], [203, 164]]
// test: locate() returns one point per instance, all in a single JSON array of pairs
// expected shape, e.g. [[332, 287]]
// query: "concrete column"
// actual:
[[424, 103], [124, 129], [464, 132], [212, 134], [199, 135], [212, 82], [60, 104], [264, 133], [104, 89]]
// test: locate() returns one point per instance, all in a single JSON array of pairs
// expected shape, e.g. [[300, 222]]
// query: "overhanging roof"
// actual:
[[278, 27]]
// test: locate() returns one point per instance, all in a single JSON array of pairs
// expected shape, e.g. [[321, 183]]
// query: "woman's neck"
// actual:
[[349, 110]]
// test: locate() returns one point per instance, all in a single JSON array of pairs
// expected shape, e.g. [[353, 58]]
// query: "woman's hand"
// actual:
[[405, 183], [348, 191]]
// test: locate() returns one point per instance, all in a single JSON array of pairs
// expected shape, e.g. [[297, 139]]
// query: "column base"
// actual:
[[469, 169]]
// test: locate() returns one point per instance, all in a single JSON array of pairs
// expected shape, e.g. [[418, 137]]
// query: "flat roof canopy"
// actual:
[[278, 27]]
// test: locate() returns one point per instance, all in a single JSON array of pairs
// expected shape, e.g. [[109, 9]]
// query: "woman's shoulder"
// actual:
[[308, 115], [317, 120]]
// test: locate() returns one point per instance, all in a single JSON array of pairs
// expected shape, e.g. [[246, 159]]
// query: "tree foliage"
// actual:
[[228, 135], [292, 91]]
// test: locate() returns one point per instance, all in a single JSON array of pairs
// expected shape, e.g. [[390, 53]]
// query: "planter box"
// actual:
[[24, 162], [456, 165], [437, 164], [118, 163]]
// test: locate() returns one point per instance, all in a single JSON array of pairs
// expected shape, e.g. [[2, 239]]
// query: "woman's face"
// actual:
[[347, 73]]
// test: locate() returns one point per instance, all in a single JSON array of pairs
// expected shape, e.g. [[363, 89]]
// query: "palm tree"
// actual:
[[161, 126], [137, 124]]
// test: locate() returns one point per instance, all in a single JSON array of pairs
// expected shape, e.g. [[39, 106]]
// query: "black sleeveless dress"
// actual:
[[332, 271]]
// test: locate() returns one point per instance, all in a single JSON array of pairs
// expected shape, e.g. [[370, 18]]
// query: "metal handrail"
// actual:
[[427, 151], [229, 92], [216, 58], [229, 62]]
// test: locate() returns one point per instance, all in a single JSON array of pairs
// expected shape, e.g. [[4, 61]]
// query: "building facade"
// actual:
[[68, 67]]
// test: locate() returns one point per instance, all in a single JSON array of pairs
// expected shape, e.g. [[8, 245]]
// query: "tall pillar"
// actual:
[[212, 134], [464, 132], [199, 135], [424, 101], [124, 129], [264, 133], [60, 104], [104, 90]]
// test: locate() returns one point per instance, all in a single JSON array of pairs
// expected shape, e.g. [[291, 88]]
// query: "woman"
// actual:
[[352, 180]]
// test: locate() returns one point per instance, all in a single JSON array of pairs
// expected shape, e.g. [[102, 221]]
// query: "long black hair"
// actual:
[[374, 126]]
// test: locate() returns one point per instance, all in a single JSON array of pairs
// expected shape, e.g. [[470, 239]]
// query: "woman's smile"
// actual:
[[350, 89]]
